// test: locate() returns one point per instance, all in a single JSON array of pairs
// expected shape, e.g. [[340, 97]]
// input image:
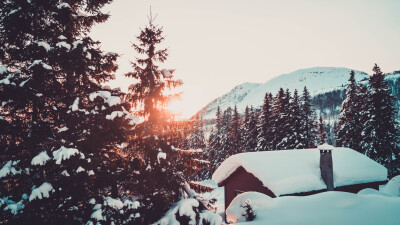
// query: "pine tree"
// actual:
[[309, 127], [348, 132], [164, 168], [53, 140], [265, 125], [295, 138], [250, 130], [236, 133], [321, 131], [281, 122], [380, 134]]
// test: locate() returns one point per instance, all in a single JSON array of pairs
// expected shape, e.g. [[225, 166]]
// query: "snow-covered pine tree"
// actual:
[[295, 138], [265, 125], [309, 127], [55, 156], [281, 122], [196, 139], [321, 131], [236, 131], [250, 130], [380, 136], [164, 167], [348, 133]]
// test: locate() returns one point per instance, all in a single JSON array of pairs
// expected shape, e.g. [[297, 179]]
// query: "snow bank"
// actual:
[[64, 153], [296, 171], [40, 159], [393, 187], [328, 208], [41, 192]]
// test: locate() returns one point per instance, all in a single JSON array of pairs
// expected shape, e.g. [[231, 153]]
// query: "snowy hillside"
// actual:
[[317, 80]]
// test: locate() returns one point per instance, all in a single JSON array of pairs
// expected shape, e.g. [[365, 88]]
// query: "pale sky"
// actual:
[[215, 45]]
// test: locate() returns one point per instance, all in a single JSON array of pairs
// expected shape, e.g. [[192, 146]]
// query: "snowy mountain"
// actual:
[[318, 80]]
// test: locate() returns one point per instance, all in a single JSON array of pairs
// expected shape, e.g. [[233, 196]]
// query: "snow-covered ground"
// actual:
[[369, 206]]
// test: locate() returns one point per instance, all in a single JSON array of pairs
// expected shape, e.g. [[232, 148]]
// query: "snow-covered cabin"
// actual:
[[298, 172]]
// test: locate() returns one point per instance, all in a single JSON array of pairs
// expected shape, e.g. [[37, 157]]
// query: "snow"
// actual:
[[45, 45], [63, 5], [97, 215], [23, 82], [65, 173], [13, 11], [325, 146], [166, 73], [80, 169], [161, 155], [393, 187], [62, 129], [328, 208], [296, 171], [90, 172], [114, 114], [41, 192], [113, 100], [40, 159], [6, 80], [8, 169], [62, 37], [40, 62], [185, 208], [106, 95], [76, 43], [3, 69], [63, 44], [75, 105], [113, 203], [64, 153]]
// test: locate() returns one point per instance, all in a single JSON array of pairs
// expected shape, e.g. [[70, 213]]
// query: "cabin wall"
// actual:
[[243, 181]]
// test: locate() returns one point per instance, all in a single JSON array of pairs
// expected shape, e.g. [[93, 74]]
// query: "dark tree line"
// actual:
[[285, 121]]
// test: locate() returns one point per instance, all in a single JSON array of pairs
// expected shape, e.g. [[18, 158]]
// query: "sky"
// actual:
[[215, 45]]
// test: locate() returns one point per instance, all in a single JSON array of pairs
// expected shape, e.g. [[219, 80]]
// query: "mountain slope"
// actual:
[[317, 80]]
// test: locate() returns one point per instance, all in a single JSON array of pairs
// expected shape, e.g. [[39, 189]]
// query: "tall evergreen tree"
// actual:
[[295, 138], [265, 125], [349, 128], [321, 131], [236, 133], [309, 128], [249, 130], [380, 134], [164, 168], [49, 86]]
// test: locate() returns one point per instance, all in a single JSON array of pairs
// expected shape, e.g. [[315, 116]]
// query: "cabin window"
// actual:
[[238, 192]]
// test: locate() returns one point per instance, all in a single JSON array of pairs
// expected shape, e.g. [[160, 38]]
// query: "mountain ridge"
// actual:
[[316, 79]]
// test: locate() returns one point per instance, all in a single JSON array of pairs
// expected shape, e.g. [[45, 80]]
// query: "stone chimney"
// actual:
[[326, 165]]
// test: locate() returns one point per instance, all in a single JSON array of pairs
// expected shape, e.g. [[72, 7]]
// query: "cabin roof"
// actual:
[[295, 171]]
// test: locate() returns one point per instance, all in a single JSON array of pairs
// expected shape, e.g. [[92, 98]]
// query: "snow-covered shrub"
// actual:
[[249, 212], [187, 212], [243, 207]]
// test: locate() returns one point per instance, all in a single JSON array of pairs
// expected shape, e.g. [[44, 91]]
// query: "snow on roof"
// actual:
[[296, 171]]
